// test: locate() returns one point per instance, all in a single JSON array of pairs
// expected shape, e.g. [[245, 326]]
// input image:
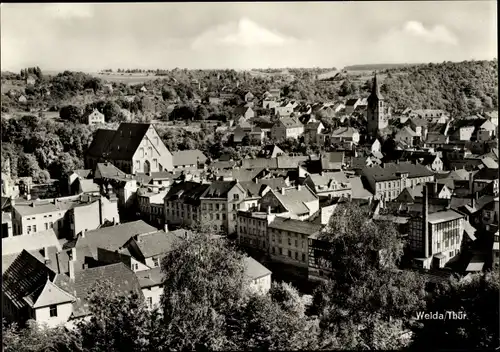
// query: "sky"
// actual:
[[91, 37]]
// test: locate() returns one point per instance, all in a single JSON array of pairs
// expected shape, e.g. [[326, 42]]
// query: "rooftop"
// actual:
[[34, 241], [389, 170], [297, 226], [188, 157], [156, 243], [254, 270]]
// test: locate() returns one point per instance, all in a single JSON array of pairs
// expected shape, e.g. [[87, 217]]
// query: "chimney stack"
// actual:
[[165, 227], [269, 210], [71, 267], [425, 226], [471, 188], [283, 190], [299, 187], [83, 233], [73, 254]]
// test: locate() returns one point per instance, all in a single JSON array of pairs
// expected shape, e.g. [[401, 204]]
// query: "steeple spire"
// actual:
[[376, 89]]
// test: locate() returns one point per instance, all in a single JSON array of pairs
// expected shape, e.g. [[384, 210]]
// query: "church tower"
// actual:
[[377, 111]]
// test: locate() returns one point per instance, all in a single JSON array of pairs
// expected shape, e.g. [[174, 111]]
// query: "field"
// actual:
[[127, 78]]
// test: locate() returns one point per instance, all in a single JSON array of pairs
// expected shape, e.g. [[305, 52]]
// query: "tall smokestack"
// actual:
[[425, 229]]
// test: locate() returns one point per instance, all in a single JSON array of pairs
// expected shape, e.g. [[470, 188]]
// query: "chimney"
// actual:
[[425, 225], [83, 233], [283, 190], [73, 254], [269, 210], [12, 201], [85, 266], [71, 267], [45, 253], [28, 196], [257, 180], [471, 188], [165, 227], [299, 187]]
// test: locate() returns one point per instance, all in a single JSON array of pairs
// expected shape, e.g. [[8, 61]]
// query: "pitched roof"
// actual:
[[126, 140], [259, 163], [245, 174], [122, 279], [41, 206], [290, 162], [25, 275], [254, 270], [188, 157], [34, 241], [83, 173], [108, 170], [389, 170], [187, 192], [292, 225], [346, 132], [489, 163], [100, 143], [294, 199], [290, 122], [155, 243], [48, 294], [358, 190], [436, 137], [114, 237], [351, 102], [218, 189], [88, 186], [149, 278], [408, 131], [443, 216], [325, 178]]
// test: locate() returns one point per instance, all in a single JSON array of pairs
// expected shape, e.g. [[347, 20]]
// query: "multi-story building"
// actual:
[[389, 180], [93, 117], [329, 184], [182, 203], [134, 147], [437, 237], [151, 205], [68, 216], [185, 159], [287, 127]]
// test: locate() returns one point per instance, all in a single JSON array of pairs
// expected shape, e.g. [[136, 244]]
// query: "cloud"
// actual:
[[244, 33], [69, 11], [437, 34]]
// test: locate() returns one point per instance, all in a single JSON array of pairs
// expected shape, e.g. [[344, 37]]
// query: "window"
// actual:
[[29, 228], [303, 257], [281, 251], [290, 253], [150, 302], [53, 311], [274, 251], [156, 262], [51, 225], [34, 228], [224, 216], [156, 140], [217, 216], [296, 255], [289, 241], [296, 243], [234, 206], [236, 196], [234, 216], [217, 206], [46, 226], [155, 163], [136, 267]]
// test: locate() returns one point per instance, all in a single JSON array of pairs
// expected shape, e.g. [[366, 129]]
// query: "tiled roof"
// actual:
[[47, 295], [274, 183], [293, 225], [156, 243], [188, 157], [25, 275], [259, 163], [245, 174], [389, 170], [294, 199], [442, 216], [126, 140], [290, 122], [489, 163], [122, 279], [254, 270], [34, 241], [188, 192], [218, 189], [291, 162], [223, 164], [436, 137], [108, 170], [100, 143], [409, 131], [114, 237], [358, 190], [351, 102]]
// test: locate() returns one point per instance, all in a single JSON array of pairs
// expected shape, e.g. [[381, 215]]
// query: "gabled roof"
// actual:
[[113, 237], [352, 102], [259, 163], [47, 295], [156, 243], [332, 161], [253, 190], [126, 140], [270, 150], [489, 163], [325, 178], [100, 143], [88, 186], [408, 131], [122, 279], [34, 241], [358, 189], [291, 162], [187, 192], [389, 170], [290, 122], [436, 137], [346, 132], [245, 174], [254, 270], [151, 277], [188, 157], [487, 174], [218, 189], [294, 199], [25, 275], [83, 173]]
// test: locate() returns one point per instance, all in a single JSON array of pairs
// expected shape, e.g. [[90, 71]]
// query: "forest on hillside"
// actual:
[[462, 88]]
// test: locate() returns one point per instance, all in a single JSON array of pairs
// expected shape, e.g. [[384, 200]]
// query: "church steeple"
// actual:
[[375, 94]]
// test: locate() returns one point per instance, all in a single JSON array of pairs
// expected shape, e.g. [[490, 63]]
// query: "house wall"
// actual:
[[294, 132], [391, 189], [110, 211], [465, 133], [23, 225], [214, 212], [153, 150], [252, 232], [136, 265], [484, 135], [278, 132], [154, 293], [42, 315], [176, 212], [288, 247], [262, 285], [95, 118], [85, 217]]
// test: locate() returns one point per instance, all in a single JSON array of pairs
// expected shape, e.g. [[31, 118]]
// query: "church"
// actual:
[[133, 148], [378, 112]]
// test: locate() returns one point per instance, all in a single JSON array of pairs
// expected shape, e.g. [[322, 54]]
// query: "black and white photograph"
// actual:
[[250, 176]]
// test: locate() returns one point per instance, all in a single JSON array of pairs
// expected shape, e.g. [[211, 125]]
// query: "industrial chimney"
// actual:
[[425, 226]]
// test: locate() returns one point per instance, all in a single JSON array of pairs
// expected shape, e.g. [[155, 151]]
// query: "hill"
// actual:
[[375, 67], [462, 88]]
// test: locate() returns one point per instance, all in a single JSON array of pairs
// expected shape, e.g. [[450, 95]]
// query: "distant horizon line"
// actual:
[[248, 69]]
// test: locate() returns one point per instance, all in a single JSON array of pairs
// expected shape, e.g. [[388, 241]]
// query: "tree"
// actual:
[[168, 93], [203, 282], [70, 113], [112, 112], [119, 323], [345, 89], [201, 113], [27, 166], [474, 300]]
